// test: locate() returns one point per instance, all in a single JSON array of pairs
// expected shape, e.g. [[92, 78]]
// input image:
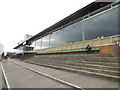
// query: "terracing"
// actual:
[[105, 65]]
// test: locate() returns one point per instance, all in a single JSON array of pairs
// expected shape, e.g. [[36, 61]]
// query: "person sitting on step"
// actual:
[[88, 48]]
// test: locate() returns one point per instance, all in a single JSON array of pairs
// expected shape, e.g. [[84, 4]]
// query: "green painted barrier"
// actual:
[[70, 51], [96, 49]]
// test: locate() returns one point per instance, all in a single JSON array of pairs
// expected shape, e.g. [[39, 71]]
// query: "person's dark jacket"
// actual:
[[88, 48]]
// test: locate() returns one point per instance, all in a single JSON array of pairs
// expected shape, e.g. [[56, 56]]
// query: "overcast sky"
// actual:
[[20, 17]]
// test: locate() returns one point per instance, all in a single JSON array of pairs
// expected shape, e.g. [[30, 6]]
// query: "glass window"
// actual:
[[38, 44], [56, 38], [103, 25], [119, 20], [73, 33], [20, 49], [45, 42], [33, 45]]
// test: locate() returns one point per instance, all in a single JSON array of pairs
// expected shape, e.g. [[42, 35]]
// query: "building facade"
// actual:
[[99, 28]]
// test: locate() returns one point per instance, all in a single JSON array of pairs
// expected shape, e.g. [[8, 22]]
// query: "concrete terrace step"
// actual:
[[80, 57], [113, 64], [76, 59], [101, 71], [97, 58], [100, 64], [75, 70], [94, 56], [91, 60], [84, 55], [84, 63], [95, 66], [71, 58], [90, 69], [116, 68], [103, 60], [83, 71]]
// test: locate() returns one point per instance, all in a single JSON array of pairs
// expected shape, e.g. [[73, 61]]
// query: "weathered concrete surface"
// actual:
[[19, 77], [84, 81], [101, 65]]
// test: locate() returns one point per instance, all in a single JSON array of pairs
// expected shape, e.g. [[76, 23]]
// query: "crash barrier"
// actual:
[[69, 51]]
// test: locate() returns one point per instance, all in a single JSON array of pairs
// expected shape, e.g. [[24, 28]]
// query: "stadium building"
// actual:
[[97, 24]]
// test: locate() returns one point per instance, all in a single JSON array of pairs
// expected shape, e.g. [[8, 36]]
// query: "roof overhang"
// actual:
[[80, 13]]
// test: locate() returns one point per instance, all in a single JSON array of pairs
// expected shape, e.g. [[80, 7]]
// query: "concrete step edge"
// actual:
[[71, 70], [98, 65], [94, 60], [89, 64], [89, 72], [96, 69], [95, 66]]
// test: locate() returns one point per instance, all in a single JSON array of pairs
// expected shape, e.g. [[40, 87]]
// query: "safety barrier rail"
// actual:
[[70, 51]]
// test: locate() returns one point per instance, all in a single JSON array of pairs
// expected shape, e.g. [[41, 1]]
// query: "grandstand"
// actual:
[[96, 25], [63, 45]]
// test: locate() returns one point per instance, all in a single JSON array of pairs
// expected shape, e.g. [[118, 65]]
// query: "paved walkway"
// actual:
[[19, 77], [13, 72], [77, 79]]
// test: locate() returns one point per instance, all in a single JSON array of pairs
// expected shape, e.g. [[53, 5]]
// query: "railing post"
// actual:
[[116, 47]]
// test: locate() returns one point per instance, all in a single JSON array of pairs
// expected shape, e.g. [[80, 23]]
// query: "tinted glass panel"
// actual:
[[103, 25], [119, 20], [33, 45], [56, 38], [20, 49], [38, 44], [72, 33], [45, 42]]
